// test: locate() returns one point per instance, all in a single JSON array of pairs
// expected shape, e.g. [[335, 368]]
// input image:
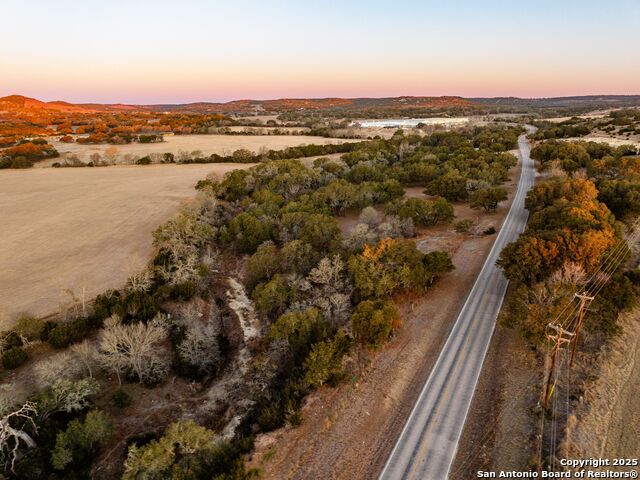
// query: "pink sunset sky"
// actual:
[[173, 52]]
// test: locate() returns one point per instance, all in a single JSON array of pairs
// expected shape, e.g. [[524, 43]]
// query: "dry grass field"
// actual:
[[82, 227], [207, 144]]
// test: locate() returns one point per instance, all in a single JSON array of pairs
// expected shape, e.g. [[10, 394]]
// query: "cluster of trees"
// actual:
[[614, 170], [625, 121], [573, 127], [568, 224], [115, 138], [571, 230], [26, 153], [318, 293]]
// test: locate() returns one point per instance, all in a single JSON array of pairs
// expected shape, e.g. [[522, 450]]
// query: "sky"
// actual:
[[142, 51]]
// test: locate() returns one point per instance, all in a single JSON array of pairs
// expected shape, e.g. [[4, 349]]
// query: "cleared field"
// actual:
[[207, 144], [82, 227]]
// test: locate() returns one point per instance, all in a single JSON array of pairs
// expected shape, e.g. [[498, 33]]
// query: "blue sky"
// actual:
[[160, 51]]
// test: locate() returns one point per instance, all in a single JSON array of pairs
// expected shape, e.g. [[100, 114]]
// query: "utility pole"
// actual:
[[560, 337], [583, 302]]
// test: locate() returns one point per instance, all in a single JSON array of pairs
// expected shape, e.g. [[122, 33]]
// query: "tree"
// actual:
[[13, 433], [200, 348], [321, 232], [80, 442], [29, 327], [544, 194], [452, 186], [299, 328], [14, 357], [181, 441], [328, 289], [262, 265], [63, 365], [423, 213], [370, 217], [66, 396], [271, 298], [246, 232], [324, 361], [569, 224], [373, 322], [488, 198], [134, 349], [297, 257], [395, 265], [86, 354]]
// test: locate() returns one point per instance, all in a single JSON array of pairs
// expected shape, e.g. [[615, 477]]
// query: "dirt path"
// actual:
[[348, 432]]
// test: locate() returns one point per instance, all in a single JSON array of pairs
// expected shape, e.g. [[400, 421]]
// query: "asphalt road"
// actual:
[[427, 445]]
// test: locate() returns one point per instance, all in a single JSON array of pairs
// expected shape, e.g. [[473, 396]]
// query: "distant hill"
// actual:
[[22, 104], [589, 101]]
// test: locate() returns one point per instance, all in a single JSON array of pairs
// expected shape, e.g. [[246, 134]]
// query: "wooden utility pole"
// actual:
[[583, 302], [560, 337]]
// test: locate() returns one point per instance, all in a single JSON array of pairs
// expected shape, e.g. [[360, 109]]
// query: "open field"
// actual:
[[82, 227], [614, 141], [207, 144]]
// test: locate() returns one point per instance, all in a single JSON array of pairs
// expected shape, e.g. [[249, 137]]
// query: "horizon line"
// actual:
[[222, 102]]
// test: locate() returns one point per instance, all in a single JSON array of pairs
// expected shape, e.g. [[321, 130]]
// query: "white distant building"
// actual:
[[411, 122]]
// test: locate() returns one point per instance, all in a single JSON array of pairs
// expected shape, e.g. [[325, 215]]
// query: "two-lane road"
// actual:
[[427, 445]]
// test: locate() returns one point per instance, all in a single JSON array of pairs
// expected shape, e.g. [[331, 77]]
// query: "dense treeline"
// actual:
[[614, 170], [618, 122], [319, 293], [572, 230], [25, 153]]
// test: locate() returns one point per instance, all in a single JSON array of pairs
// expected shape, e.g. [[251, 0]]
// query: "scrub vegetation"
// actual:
[[257, 294]]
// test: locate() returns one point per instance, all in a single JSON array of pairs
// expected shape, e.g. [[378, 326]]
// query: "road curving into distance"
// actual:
[[427, 445]]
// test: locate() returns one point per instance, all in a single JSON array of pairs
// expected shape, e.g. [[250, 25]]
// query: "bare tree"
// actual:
[[200, 347], [86, 354], [63, 365], [134, 348], [328, 289], [571, 273], [140, 281], [360, 235], [13, 434]]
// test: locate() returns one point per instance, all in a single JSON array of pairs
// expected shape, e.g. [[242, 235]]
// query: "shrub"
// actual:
[[490, 231], [182, 291], [21, 162], [463, 226], [14, 357], [64, 334], [11, 339], [373, 322], [324, 362], [272, 298], [488, 198], [30, 327], [120, 398], [80, 442]]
